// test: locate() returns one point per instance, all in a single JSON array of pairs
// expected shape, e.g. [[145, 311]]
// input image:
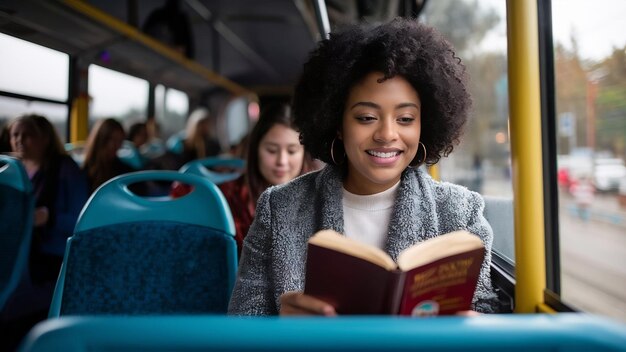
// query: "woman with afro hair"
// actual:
[[374, 103]]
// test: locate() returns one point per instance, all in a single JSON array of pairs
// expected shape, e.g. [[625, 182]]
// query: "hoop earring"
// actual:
[[332, 153], [418, 162]]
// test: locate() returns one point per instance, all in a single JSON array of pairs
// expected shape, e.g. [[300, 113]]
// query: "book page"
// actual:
[[436, 248], [333, 240]]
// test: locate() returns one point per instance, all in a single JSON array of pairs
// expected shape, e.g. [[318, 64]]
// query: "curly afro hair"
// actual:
[[401, 47]]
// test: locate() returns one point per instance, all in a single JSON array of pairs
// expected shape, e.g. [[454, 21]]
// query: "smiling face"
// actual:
[[381, 132], [280, 155]]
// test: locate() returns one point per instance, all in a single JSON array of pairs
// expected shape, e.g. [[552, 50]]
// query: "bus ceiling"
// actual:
[[197, 46]]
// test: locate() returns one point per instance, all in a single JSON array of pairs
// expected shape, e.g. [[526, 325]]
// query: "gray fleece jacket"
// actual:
[[274, 251]]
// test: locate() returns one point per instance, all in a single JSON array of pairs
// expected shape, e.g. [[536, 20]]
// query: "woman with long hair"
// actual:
[[101, 161], [60, 190], [198, 142], [275, 156]]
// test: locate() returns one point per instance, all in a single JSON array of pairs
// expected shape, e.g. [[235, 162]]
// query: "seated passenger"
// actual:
[[275, 156], [138, 134], [375, 104], [155, 150], [154, 146], [198, 142], [60, 190], [101, 161]]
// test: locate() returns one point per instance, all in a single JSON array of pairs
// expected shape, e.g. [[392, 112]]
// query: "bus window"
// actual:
[[482, 161], [590, 84], [33, 80], [55, 113], [237, 118], [117, 95], [171, 110], [33, 70]]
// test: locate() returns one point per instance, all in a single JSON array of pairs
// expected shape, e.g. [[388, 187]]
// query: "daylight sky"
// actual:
[[597, 25], [597, 30]]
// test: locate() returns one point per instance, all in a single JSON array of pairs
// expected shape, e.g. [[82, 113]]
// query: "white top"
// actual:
[[366, 218]]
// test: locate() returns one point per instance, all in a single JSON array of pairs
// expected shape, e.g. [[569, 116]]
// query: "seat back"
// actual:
[[153, 149], [175, 142], [149, 255], [234, 167], [499, 212], [16, 223], [130, 156], [490, 332]]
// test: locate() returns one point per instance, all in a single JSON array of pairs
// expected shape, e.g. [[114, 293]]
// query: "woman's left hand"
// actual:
[[297, 303], [468, 313]]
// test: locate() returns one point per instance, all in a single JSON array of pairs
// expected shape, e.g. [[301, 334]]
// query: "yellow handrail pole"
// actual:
[[79, 118], [434, 172], [526, 155]]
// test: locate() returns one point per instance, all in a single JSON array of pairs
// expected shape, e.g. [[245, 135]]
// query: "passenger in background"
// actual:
[[584, 193], [199, 142], [138, 134], [60, 190], [154, 130], [154, 146], [275, 156], [101, 161], [155, 151]]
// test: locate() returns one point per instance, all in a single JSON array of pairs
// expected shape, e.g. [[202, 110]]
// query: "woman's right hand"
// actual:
[[297, 303]]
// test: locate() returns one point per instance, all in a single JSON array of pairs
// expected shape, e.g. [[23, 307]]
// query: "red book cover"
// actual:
[[443, 287], [356, 278], [352, 285]]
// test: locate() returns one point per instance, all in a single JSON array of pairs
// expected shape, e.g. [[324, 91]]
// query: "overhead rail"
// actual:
[[158, 47]]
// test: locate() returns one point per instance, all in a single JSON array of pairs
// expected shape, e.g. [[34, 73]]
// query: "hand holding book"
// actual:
[[297, 303]]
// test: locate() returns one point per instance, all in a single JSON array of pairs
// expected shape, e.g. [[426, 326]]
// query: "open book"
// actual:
[[434, 277]]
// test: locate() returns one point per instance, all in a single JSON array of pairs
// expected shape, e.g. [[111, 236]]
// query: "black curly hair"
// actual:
[[401, 47]]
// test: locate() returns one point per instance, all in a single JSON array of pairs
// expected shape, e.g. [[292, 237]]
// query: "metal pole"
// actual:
[[321, 15], [525, 119]]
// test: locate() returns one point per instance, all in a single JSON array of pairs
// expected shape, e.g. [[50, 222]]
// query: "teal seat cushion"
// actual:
[[153, 267], [14, 224]]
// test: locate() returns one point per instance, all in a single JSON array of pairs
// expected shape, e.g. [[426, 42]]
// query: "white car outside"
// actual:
[[607, 174]]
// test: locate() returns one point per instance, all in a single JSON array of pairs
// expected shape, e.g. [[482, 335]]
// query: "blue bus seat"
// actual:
[[537, 332], [16, 224], [201, 167], [499, 212], [153, 149], [175, 143], [130, 156], [149, 255]]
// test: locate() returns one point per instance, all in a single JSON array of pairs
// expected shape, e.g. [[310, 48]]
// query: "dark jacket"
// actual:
[[62, 188]]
